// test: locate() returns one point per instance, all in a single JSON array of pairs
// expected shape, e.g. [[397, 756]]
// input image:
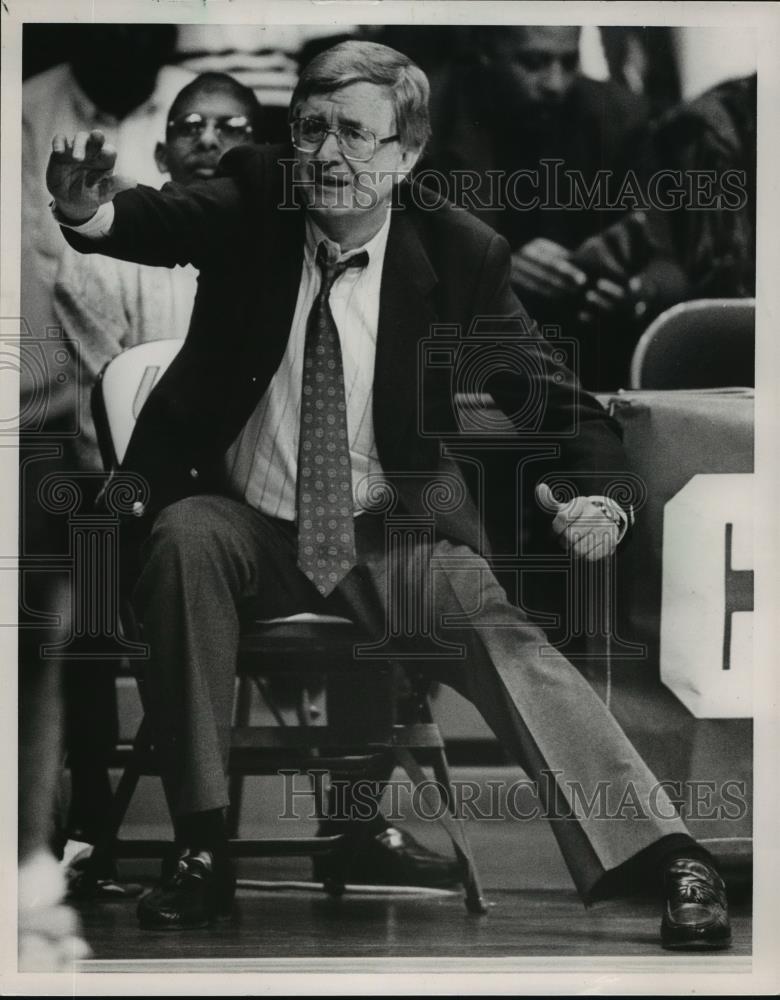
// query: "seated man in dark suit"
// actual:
[[293, 416], [107, 306]]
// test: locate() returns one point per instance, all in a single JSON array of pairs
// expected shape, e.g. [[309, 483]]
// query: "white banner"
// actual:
[[707, 601]]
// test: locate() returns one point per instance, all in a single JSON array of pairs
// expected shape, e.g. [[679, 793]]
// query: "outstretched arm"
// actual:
[[177, 225]]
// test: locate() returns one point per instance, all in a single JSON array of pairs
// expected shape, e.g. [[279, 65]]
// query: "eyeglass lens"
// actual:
[[192, 126], [310, 133]]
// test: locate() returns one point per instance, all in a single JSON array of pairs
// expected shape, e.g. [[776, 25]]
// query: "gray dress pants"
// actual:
[[208, 555]]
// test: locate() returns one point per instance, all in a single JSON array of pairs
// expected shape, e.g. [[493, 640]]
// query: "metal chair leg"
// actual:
[[452, 824], [264, 691], [306, 713], [103, 852]]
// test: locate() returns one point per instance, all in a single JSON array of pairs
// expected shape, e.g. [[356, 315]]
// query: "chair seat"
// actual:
[[324, 640], [304, 618]]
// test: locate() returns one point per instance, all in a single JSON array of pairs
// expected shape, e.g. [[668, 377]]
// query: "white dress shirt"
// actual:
[[262, 462]]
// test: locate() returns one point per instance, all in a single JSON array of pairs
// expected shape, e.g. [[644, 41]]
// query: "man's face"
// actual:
[[195, 144], [536, 66], [334, 184]]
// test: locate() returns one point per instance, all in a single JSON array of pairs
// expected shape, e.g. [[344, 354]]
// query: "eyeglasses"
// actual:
[[194, 125], [358, 144]]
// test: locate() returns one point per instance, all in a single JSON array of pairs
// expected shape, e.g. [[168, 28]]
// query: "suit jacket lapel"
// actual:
[[279, 263], [406, 312]]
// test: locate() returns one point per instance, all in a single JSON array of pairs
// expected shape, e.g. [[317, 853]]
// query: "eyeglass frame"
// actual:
[[174, 123], [337, 132]]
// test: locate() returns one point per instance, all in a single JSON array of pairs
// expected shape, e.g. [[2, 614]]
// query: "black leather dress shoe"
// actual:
[[390, 857], [198, 893], [695, 910]]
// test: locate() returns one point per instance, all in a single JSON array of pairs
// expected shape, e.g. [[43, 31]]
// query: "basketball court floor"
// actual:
[[286, 923]]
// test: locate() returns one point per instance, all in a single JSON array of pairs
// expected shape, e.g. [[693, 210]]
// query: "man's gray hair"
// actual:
[[369, 62]]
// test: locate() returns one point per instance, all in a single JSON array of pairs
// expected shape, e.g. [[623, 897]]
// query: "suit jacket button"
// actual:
[[194, 473]]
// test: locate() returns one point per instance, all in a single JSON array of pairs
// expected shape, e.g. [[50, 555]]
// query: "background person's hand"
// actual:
[[584, 525], [606, 296], [542, 267], [609, 298], [80, 174]]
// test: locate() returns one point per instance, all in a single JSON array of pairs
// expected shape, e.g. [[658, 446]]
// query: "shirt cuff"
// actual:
[[93, 229], [622, 517]]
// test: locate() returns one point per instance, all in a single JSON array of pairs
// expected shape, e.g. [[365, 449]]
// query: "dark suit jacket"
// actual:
[[442, 267]]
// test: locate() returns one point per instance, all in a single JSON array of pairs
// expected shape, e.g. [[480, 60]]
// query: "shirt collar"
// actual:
[[375, 247]]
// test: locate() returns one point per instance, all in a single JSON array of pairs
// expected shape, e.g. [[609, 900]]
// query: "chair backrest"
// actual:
[[703, 344], [121, 391]]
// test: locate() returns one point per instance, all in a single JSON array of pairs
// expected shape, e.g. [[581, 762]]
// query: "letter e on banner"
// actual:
[[707, 600]]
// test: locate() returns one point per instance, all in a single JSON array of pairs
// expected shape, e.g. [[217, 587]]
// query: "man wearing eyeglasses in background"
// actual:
[[260, 456]]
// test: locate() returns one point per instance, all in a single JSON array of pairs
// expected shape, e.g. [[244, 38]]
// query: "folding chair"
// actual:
[[351, 741], [703, 344]]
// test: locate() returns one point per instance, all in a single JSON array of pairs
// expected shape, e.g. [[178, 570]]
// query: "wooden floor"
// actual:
[[534, 915], [307, 925]]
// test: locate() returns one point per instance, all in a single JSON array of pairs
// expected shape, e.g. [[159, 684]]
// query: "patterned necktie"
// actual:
[[326, 529]]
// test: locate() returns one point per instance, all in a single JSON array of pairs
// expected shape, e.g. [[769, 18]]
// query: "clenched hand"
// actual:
[[584, 525]]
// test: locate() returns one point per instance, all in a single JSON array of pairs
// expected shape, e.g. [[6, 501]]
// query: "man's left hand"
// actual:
[[585, 526]]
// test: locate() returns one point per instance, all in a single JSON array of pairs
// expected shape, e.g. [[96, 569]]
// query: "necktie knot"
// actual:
[[331, 268]]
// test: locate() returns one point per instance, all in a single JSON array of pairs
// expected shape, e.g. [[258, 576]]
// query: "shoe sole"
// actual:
[[696, 944]]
